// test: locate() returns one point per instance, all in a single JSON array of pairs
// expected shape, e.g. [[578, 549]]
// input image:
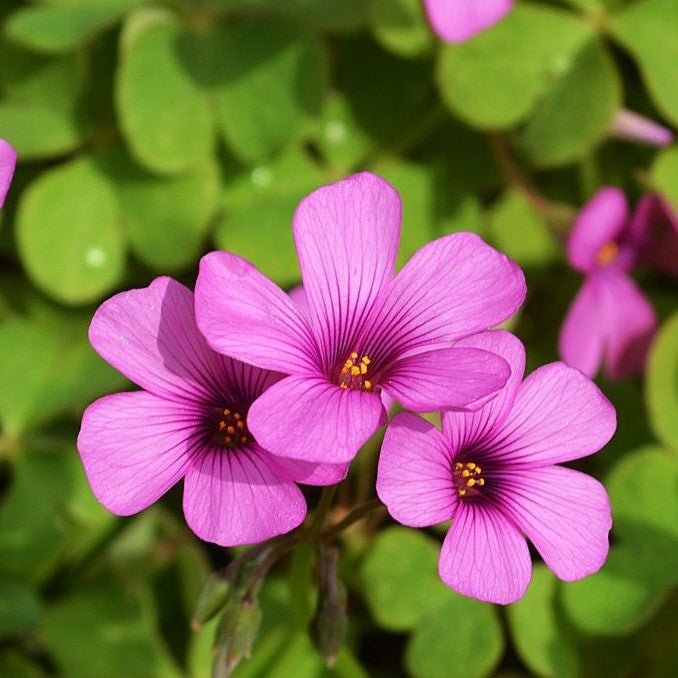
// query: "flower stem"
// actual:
[[321, 511], [356, 514]]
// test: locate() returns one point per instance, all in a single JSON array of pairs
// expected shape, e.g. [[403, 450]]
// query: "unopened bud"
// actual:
[[212, 598], [235, 635], [328, 625]]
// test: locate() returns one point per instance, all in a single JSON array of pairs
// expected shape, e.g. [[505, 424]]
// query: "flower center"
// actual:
[[607, 253], [353, 374], [467, 478], [231, 429]]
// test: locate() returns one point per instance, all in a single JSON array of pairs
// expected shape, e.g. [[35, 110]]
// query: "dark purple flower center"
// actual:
[[468, 479], [355, 373], [230, 429]]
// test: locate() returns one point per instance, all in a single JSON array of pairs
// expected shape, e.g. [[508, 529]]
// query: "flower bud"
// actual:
[[212, 598], [328, 625], [235, 635]]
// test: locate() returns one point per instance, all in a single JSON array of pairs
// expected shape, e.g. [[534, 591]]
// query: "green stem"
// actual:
[[321, 511]]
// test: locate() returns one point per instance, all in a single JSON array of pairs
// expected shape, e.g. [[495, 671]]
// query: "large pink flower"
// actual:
[[7, 165], [460, 20], [190, 422], [493, 472], [610, 319], [365, 329]]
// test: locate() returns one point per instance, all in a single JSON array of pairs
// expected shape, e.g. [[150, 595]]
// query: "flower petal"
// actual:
[[414, 477], [347, 238], [245, 315], [134, 447], [584, 333], [451, 377], [7, 164], [601, 220], [631, 324], [655, 223], [458, 20], [462, 429], [309, 473], [151, 337], [307, 418], [484, 555], [566, 515], [234, 497], [451, 288], [558, 415]]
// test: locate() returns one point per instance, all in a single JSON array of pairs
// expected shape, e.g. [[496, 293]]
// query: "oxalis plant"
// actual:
[[407, 403], [249, 392]]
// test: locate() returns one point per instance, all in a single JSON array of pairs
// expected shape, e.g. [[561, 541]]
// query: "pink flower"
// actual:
[[610, 319], [493, 472], [190, 422], [634, 127], [364, 330], [7, 165], [459, 20]]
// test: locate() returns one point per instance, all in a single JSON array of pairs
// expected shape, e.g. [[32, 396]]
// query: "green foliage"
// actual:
[[68, 233], [151, 131], [662, 384]]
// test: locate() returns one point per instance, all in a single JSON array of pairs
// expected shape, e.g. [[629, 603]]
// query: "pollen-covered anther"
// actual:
[[607, 253], [231, 429], [353, 372], [467, 476]]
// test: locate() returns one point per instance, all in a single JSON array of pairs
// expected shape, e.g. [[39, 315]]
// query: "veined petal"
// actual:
[[631, 324], [451, 288], [135, 446], [564, 513], [584, 332], [485, 556], [7, 164], [601, 220], [414, 476], [309, 473], [458, 20], [234, 497], [151, 337], [462, 429], [558, 415], [449, 377], [307, 418], [347, 237], [245, 315]]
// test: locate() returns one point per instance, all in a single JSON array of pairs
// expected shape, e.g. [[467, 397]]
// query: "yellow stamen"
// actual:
[[355, 371], [470, 482], [607, 253], [354, 355], [230, 429], [367, 384]]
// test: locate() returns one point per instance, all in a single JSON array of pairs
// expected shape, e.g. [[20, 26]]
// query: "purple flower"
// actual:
[[190, 422], [658, 221], [7, 165], [610, 319], [364, 329], [459, 20], [493, 472], [634, 127]]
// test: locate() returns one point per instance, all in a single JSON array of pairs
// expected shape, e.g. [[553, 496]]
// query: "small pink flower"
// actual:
[[365, 330], [459, 20], [634, 127], [493, 472], [610, 320], [7, 165], [190, 422]]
